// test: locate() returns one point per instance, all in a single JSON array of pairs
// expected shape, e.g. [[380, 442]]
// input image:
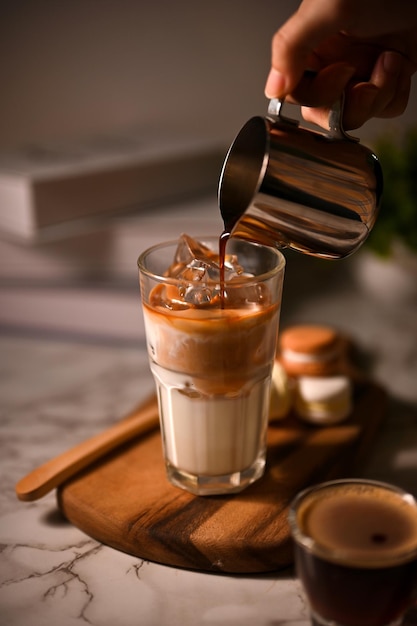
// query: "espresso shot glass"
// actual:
[[356, 552]]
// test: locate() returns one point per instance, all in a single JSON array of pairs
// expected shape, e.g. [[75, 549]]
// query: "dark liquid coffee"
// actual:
[[223, 239], [362, 568], [353, 596]]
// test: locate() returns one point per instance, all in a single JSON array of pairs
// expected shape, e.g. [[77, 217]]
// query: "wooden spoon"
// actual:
[[53, 473]]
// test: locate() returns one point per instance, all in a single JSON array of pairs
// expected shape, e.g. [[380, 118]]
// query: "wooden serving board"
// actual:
[[126, 502]]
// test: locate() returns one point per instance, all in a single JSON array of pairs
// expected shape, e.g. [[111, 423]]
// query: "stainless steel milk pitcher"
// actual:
[[287, 186]]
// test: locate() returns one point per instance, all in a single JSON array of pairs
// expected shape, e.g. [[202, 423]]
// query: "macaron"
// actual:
[[323, 400], [311, 350], [281, 393]]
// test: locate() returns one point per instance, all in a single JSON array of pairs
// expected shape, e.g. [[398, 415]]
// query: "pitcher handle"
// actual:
[[336, 130]]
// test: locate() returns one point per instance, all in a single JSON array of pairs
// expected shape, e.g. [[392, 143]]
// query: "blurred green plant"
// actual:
[[397, 219]]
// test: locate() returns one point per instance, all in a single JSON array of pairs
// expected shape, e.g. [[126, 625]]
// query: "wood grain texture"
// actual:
[[126, 502]]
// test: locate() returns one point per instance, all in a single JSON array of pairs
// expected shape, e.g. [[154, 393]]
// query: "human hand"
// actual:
[[366, 48]]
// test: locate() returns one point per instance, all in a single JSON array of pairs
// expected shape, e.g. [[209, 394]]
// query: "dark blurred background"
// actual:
[[80, 67], [115, 117]]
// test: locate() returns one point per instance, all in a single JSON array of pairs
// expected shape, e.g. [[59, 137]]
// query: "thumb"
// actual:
[[294, 43]]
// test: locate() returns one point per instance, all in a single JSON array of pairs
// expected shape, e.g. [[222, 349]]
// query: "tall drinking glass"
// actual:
[[211, 348], [356, 552]]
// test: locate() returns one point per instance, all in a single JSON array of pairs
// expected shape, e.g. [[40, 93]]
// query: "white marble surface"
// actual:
[[56, 392]]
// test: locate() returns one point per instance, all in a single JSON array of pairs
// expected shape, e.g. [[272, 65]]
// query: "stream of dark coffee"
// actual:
[[223, 239]]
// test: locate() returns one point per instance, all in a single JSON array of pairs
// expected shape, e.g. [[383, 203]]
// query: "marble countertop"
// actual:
[[56, 391]]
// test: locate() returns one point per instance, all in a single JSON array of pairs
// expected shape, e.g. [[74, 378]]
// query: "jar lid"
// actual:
[[313, 350]]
